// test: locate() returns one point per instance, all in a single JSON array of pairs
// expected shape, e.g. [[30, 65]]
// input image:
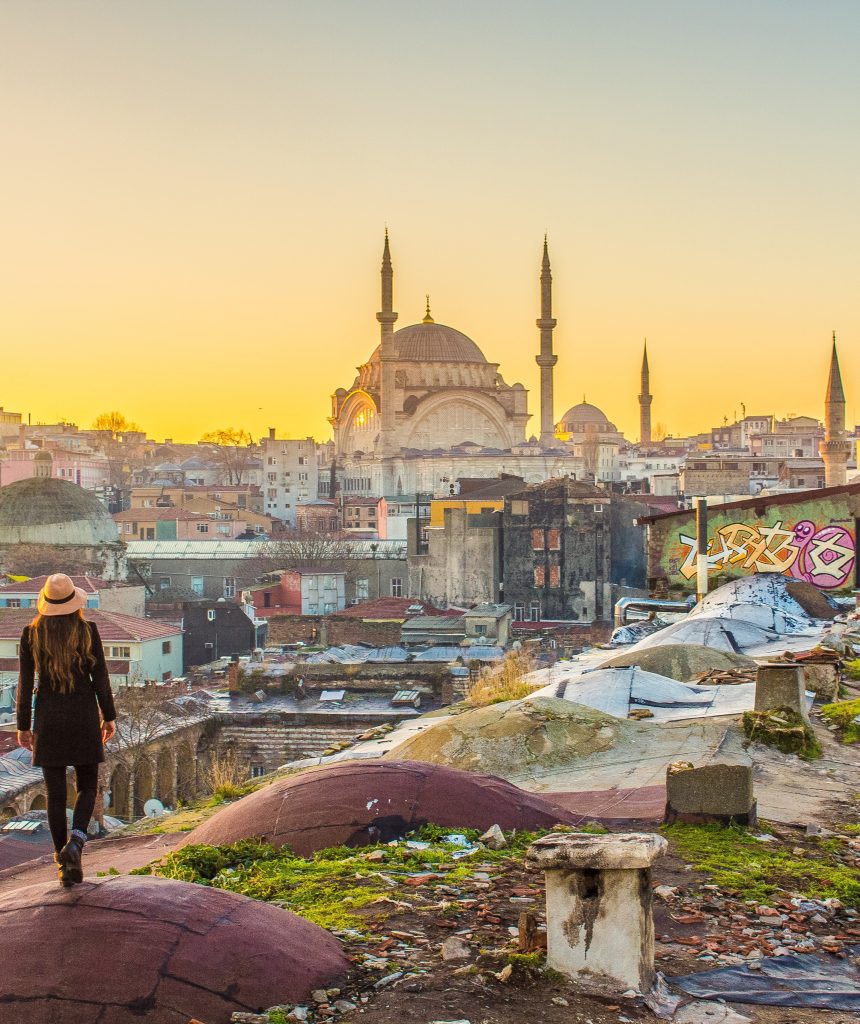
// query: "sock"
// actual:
[[81, 835]]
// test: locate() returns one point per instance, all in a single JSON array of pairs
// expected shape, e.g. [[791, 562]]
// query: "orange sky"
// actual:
[[195, 195]]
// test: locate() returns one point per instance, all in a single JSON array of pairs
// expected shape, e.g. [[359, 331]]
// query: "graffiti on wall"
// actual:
[[823, 555]]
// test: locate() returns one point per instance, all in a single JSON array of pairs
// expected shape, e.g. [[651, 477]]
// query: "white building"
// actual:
[[290, 475]]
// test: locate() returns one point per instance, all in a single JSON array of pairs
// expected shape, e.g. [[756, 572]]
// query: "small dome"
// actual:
[[42, 510], [433, 343], [586, 417], [43, 456]]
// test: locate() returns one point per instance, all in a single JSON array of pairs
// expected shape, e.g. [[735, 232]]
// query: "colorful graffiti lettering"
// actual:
[[823, 556]]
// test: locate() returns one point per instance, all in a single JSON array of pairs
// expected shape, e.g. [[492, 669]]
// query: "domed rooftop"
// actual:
[[44, 510], [585, 416], [433, 343]]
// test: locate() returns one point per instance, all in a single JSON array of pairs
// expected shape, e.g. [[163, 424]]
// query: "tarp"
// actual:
[[803, 980]]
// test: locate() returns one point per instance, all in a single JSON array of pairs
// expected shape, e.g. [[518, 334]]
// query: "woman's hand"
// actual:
[[25, 739], [108, 731]]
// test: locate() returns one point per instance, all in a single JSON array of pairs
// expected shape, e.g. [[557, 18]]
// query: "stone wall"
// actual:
[[461, 564]]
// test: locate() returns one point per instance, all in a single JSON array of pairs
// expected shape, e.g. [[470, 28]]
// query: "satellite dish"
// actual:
[[153, 808]]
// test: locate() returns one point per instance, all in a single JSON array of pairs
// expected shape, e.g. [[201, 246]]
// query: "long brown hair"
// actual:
[[62, 645]]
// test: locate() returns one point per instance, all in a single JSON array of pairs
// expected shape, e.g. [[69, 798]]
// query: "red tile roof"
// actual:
[[137, 515], [90, 584], [113, 627]]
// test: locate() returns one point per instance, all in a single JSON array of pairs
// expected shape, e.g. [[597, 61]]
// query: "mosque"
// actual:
[[428, 407]]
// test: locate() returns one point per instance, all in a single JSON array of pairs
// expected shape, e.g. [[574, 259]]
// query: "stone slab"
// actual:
[[582, 851], [720, 792], [780, 685]]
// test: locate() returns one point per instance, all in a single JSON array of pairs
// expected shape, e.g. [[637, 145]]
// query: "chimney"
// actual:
[[271, 433]]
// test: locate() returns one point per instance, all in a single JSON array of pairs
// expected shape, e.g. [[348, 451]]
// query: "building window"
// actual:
[[13, 602], [519, 612], [202, 527], [396, 586], [362, 590], [539, 576], [166, 647], [537, 540], [534, 611], [229, 586], [480, 629], [166, 677], [197, 585], [119, 652], [257, 770], [210, 617], [553, 540], [519, 508], [164, 583], [555, 576]]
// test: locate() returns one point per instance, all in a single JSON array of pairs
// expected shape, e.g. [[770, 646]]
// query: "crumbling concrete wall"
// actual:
[[461, 562]]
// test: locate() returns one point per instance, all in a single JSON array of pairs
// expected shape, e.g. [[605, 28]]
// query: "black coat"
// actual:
[[67, 726]]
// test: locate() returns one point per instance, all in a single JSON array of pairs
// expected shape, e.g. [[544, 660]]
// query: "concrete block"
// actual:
[[719, 792], [822, 679], [780, 685], [600, 925]]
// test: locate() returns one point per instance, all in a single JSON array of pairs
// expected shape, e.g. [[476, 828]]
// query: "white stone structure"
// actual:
[[428, 407], [600, 926]]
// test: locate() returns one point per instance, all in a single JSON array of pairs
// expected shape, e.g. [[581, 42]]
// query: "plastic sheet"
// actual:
[[803, 980]]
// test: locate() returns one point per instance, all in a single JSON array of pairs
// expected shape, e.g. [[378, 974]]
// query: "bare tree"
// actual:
[[320, 552], [589, 452], [123, 453], [233, 449], [659, 432]]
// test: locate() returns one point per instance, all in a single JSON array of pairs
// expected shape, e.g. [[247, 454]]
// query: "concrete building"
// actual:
[[137, 650], [808, 535], [291, 475], [108, 595], [224, 568], [88, 469], [570, 550], [320, 515], [364, 517]]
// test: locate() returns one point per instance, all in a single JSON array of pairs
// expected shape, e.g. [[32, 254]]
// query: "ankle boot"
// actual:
[[62, 873], [70, 858]]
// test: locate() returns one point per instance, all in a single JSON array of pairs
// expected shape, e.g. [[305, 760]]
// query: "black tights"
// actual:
[[86, 782]]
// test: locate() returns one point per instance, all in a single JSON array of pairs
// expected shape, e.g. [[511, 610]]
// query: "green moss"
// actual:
[[850, 830], [759, 871], [842, 715], [784, 729], [852, 668]]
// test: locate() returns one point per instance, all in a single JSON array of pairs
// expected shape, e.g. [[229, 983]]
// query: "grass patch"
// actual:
[[852, 668], [499, 683], [760, 871], [842, 715]]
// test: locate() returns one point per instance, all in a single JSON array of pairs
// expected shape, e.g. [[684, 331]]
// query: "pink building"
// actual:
[[86, 469], [175, 524]]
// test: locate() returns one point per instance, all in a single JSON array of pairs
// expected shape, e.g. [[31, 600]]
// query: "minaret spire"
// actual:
[[546, 359], [387, 356], [645, 398], [835, 449]]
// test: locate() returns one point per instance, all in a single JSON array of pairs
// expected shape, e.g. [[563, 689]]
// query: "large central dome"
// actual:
[[44, 510], [433, 343]]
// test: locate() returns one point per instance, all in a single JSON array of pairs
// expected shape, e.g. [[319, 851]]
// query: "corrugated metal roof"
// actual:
[[150, 549]]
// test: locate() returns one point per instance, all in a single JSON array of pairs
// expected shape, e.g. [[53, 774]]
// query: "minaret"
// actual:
[[645, 398], [835, 449], [387, 318], [546, 360]]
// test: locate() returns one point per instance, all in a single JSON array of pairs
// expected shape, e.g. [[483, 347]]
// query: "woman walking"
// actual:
[[73, 715]]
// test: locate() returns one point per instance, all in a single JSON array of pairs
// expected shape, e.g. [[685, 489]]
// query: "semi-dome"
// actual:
[[586, 417], [433, 343], [44, 510]]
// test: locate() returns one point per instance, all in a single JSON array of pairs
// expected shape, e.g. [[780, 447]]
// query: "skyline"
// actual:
[[200, 198]]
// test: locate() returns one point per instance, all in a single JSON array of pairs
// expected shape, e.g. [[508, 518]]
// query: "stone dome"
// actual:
[[50, 511], [586, 417], [433, 343]]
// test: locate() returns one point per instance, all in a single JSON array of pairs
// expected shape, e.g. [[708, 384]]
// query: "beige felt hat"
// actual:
[[59, 596]]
